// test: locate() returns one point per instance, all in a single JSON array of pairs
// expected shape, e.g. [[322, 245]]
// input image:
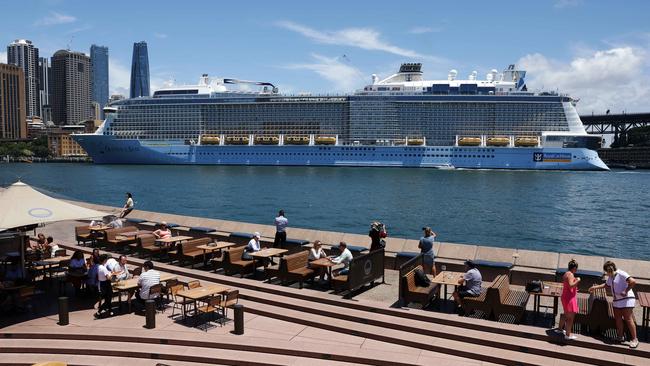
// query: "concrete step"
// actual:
[[559, 350], [22, 359], [154, 352]]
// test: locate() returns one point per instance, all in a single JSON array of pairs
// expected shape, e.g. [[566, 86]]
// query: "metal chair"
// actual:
[[227, 301], [155, 293], [212, 306]]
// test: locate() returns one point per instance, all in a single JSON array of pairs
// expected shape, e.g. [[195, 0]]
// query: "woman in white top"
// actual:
[[620, 283], [128, 206], [315, 253]]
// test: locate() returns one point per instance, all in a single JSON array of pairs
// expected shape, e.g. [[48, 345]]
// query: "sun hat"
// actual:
[[256, 234]]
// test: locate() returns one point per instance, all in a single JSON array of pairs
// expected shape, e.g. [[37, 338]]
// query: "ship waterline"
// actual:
[[401, 121]]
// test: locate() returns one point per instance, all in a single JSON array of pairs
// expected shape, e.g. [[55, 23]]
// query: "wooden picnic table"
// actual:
[[130, 235], [48, 263], [324, 263], [200, 293], [446, 278], [644, 301], [212, 248], [549, 289], [268, 253], [131, 285], [173, 239]]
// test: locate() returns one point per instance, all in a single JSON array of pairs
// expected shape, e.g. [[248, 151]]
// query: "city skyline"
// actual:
[[335, 47]]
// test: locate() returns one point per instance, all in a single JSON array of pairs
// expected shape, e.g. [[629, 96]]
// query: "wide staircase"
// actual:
[[410, 336]]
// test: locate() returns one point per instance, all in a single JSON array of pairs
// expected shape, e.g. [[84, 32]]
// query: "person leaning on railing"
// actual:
[[621, 285]]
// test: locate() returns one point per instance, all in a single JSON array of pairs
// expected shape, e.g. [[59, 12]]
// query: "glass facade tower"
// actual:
[[140, 71], [99, 63]]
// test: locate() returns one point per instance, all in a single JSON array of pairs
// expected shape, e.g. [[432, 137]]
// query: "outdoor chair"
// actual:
[[211, 307], [83, 235], [178, 302], [157, 290], [228, 300]]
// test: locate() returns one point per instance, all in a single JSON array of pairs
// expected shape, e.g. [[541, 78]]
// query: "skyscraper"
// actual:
[[99, 61], [44, 88], [71, 79], [22, 52], [140, 70], [13, 123]]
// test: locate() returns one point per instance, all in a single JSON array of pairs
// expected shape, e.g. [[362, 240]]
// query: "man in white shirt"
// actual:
[[345, 258], [281, 223], [120, 270], [105, 287], [111, 263], [148, 278]]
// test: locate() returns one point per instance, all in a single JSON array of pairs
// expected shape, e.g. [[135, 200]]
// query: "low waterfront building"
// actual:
[[60, 143]]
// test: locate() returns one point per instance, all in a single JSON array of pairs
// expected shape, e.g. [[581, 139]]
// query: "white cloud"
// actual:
[[344, 77], [119, 77], [364, 38], [423, 30], [54, 18], [616, 79], [561, 4], [3, 57], [160, 35]]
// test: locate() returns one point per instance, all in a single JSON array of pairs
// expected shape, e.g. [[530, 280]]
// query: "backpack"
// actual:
[[421, 280]]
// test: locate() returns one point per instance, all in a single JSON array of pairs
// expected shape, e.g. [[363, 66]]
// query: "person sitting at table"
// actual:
[[115, 222], [317, 252], [163, 232], [111, 263], [120, 270], [105, 288], [95, 255], [469, 285], [253, 246], [621, 284], [147, 279], [569, 301], [345, 257], [38, 243], [77, 269], [51, 247]]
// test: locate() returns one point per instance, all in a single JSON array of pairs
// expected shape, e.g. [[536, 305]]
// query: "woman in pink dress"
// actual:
[[569, 300]]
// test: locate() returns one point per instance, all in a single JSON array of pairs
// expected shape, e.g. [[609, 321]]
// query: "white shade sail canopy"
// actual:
[[22, 205]]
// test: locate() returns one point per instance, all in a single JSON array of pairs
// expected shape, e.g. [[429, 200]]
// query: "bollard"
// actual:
[[64, 318], [239, 319], [150, 314]]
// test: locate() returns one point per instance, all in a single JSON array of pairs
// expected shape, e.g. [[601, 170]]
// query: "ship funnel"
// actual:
[[375, 79]]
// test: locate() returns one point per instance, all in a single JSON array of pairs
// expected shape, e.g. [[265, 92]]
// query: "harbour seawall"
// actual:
[[527, 264], [638, 157]]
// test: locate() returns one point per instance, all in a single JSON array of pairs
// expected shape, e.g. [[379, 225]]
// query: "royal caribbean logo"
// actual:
[[551, 157]]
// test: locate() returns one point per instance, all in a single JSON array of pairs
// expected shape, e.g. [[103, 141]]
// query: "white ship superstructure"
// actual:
[[402, 120]]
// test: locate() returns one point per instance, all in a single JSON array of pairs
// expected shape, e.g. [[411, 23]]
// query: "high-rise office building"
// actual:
[[44, 88], [22, 52], [71, 78], [99, 61], [13, 122], [140, 70]]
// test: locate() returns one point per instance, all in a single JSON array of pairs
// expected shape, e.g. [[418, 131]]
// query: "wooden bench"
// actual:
[[364, 269], [82, 234], [479, 303], [506, 301], [110, 240], [145, 245], [232, 262], [413, 293], [293, 267], [596, 314], [188, 251]]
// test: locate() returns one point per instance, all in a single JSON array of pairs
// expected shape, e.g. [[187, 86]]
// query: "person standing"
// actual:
[[426, 248], [128, 206], [569, 300], [281, 223], [621, 284], [105, 287]]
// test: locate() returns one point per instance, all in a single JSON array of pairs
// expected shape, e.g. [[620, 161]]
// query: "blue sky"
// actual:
[[595, 50]]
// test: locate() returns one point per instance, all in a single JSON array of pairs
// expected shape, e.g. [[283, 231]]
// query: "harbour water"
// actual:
[[599, 213]]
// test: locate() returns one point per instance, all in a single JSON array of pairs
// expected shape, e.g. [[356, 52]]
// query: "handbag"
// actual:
[[421, 280], [534, 286]]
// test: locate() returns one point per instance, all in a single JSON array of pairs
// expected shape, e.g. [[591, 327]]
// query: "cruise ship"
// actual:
[[400, 121]]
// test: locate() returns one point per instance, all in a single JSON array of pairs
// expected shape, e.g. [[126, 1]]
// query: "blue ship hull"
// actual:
[[105, 149]]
